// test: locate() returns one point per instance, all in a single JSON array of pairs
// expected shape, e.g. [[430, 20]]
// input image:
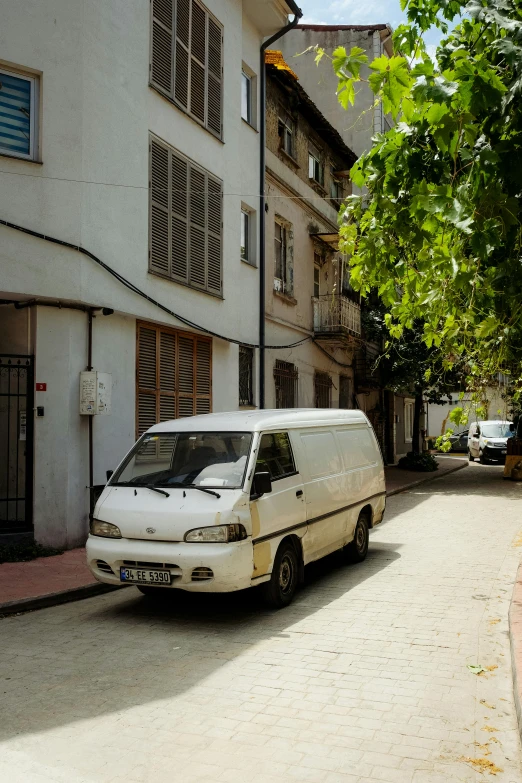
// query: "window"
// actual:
[[245, 235], [173, 375], [285, 377], [246, 375], [408, 420], [185, 220], [282, 276], [246, 97], [317, 280], [315, 166], [18, 115], [286, 133], [275, 456], [186, 59], [323, 390], [336, 188], [345, 287]]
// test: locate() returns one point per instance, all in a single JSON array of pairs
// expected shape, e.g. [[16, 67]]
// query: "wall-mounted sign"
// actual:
[[41, 387], [23, 425]]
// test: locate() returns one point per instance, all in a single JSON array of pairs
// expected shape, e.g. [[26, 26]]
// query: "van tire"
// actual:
[[357, 549], [471, 457], [280, 590], [482, 459]]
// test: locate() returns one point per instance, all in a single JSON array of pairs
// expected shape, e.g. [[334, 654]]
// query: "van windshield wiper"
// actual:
[[137, 485], [195, 486]]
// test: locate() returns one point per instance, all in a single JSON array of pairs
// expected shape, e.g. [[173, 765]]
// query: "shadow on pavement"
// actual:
[[112, 653]]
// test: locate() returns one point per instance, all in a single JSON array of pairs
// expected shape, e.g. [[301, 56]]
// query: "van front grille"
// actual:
[[103, 566], [202, 574]]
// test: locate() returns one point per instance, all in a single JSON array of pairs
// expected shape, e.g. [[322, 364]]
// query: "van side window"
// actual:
[[275, 455]]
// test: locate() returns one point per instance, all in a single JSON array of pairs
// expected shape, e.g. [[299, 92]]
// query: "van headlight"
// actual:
[[105, 529], [218, 534], [486, 440]]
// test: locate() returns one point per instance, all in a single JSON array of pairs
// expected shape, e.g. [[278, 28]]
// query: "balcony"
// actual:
[[336, 318]]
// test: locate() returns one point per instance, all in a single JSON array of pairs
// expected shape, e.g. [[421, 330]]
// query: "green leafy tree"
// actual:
[[437, 230]]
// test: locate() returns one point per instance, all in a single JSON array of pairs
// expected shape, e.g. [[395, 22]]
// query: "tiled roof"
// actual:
[[275, 58]]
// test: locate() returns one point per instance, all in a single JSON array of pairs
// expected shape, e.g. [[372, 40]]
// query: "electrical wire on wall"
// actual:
[[123, 280]]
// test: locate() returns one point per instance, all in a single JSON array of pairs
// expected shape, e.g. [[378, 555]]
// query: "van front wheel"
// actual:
[[357, 549], [280, 590]]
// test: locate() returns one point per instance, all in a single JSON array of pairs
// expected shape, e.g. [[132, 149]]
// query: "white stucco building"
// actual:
[[127, 129]]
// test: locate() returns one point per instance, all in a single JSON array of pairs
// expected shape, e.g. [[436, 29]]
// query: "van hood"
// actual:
[[141, 513]]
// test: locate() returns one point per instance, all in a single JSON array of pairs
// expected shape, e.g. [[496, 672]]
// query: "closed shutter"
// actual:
[[215, 75], [186, 59], [185, 220], [161, 45], [173, 375]]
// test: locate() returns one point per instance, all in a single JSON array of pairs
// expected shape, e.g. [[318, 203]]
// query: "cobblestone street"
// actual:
[[364, 678]]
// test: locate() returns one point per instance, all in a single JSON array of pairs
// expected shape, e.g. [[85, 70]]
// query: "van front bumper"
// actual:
[[231, 564]]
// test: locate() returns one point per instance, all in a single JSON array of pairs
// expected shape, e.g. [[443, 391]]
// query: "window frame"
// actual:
[[322, 381], [245, 219], [409, 414], [287, 123], [285, 433], [315, 162], [282, 257], [248, 80], [34, 119], [317, 282], [280, 368]]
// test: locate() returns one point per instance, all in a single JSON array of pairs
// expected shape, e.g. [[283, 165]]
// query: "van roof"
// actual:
[[491, 421], [254, 421]]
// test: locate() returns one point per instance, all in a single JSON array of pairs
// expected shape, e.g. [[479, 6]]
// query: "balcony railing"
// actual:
[[336, 315]]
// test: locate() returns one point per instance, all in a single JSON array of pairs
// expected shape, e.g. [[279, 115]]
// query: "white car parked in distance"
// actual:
[[487, 440], [226, 501]]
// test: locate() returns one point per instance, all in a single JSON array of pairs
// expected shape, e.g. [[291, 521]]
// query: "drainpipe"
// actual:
[[90, 418], [262, 165]]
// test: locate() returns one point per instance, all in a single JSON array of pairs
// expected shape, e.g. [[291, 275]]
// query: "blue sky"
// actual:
[[357, 12]]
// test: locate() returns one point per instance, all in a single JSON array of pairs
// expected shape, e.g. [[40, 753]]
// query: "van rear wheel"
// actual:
[[280, 590], [357, 549]]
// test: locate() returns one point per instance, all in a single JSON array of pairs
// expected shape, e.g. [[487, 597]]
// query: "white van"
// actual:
[[487, 440], [226, 501]]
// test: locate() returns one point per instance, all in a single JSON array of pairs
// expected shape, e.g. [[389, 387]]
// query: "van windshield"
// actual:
[[496, 430], [201, 459]]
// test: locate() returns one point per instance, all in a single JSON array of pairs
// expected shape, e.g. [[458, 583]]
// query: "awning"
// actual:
[[332, 240]]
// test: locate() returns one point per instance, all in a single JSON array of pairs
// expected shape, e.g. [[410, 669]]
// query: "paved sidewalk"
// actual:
[[47, 581]]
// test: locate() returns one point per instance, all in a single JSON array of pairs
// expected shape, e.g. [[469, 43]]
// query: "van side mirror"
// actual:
[[261, 484], [109, 474]]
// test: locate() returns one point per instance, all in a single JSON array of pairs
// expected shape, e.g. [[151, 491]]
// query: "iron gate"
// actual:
[[16, 443]]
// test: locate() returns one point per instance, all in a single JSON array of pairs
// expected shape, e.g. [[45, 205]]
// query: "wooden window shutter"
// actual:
[[179, 224], [159, 252], [161, 45], [214, 78], [181, 89], [173, 375], [186, 224], [198, 49], [214, 226]]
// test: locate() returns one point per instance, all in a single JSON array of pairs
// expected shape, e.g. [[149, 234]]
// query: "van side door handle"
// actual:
[[299, 493]]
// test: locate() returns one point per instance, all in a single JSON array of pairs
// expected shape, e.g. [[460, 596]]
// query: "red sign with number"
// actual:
[[41, 387]]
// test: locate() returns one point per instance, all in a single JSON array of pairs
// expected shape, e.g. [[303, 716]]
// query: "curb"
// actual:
[[515, 643], [431, 477], [54, 599]]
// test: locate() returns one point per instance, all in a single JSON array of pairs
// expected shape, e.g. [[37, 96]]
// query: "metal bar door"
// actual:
[[16, 443]]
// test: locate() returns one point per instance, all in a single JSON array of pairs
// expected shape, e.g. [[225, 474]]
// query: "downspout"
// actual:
[[90, 418], [262, 204]]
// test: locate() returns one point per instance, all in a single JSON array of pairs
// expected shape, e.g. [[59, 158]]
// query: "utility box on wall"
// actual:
[[95, 392]]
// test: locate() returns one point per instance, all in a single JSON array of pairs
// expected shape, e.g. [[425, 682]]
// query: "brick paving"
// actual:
[[43, 576], [50, 575], [363, 679]]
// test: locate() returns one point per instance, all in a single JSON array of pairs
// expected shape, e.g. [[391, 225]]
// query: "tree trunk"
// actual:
[[416, 437]]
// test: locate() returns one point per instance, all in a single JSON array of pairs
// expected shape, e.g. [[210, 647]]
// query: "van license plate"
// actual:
[[144, 576]]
